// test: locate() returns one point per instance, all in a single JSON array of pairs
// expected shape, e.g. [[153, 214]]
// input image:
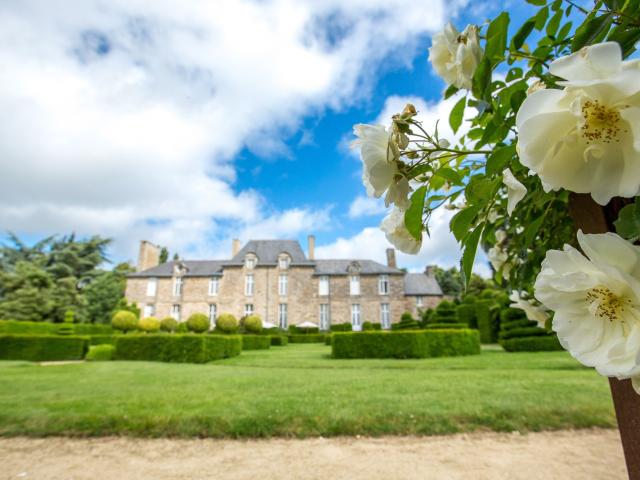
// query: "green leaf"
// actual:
[[499, 159], [450, 175], [537, 3], [513, 74], [628, 222], [532, 229], [516, 100], [496, 42], [469, 255], [554, 23], [541, 18], [455, 117], [481, 78], [461, 222], [521, 35], [450, 91], [590, 30], [413, 215], [481, 189]]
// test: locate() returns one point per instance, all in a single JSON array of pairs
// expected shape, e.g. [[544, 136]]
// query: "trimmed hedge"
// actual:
[[48, 328], [255, 342], [445, 312], [40, 348], [522, 323], [408, 344], [279, 340], [440, 326], [100, 353], [307, 338], [487, 314], [467, 314], [296, 330], [340, 327], [177, 348], [102, 340], [328, 339], [523, 332], [546, 343]]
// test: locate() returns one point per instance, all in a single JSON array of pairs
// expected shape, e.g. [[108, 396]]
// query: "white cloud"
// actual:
[[122, 118], [366, 206], [440, 248]]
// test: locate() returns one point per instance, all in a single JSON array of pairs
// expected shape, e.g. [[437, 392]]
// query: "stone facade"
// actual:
[[302, 294]]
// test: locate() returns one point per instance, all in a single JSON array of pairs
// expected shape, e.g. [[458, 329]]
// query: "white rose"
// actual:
[[455, 56], [396, 232], [586, 138], [398, 194], [498, 258], [596, 299], [378, 154], [533, 311], [516, 191]]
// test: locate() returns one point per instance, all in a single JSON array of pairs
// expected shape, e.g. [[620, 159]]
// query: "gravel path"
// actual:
[[590, 454]]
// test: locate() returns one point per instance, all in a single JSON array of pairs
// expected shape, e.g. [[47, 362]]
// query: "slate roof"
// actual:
[[267, 252], [421, 284], [194, 268], [340, 267]]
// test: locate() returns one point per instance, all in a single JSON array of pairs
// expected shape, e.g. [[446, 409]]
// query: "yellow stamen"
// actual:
[[601, 123]]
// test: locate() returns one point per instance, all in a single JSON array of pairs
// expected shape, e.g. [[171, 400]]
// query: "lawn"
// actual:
[[300, 391]]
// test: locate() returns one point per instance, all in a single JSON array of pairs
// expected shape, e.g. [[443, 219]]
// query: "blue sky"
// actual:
[[191, 126]]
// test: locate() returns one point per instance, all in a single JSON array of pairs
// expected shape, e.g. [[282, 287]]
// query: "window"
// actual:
[[383, 284], [323, 286], [248, 309], [248, 285], [283, 262], [282, 284], [250, 262], [152, 287], [419, 302], [177, 286], [213, 314], [282, 316], [354, 285], [149, 311], [385, 320], [355, 317], [214, 283], [175, 312], [324, 316]]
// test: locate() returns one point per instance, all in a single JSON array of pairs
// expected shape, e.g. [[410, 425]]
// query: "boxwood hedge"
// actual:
[[406, 344], [255, 342], [279, 340], [440, 326], [100, 353], [307, 338], [40, 348], [546, 343], [102, 339], [177, 348], [49, 328]]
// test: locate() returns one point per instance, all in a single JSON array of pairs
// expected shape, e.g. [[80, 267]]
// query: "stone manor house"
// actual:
[[277, 281]]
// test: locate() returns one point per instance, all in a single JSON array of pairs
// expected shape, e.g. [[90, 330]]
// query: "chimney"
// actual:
[[429, 270], [391, 258], [235, 247], [311, 247], [148, 257]]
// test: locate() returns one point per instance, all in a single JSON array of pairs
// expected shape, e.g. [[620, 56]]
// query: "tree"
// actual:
[[105, 292], [164, 255]]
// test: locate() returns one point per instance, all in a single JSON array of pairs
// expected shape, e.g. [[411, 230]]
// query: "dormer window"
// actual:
[[250, 261], [283, 261]]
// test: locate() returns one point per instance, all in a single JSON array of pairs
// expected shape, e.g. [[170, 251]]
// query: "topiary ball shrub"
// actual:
[[198, 323], [253, 324], [124, 321], [227, 323], [168, 324], [367, 326], [149, 325], [100, 353]]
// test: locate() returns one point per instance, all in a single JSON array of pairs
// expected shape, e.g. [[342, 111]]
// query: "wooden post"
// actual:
[[592, 218]]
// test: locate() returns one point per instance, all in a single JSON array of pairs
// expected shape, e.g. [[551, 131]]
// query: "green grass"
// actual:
[[300, 391]]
